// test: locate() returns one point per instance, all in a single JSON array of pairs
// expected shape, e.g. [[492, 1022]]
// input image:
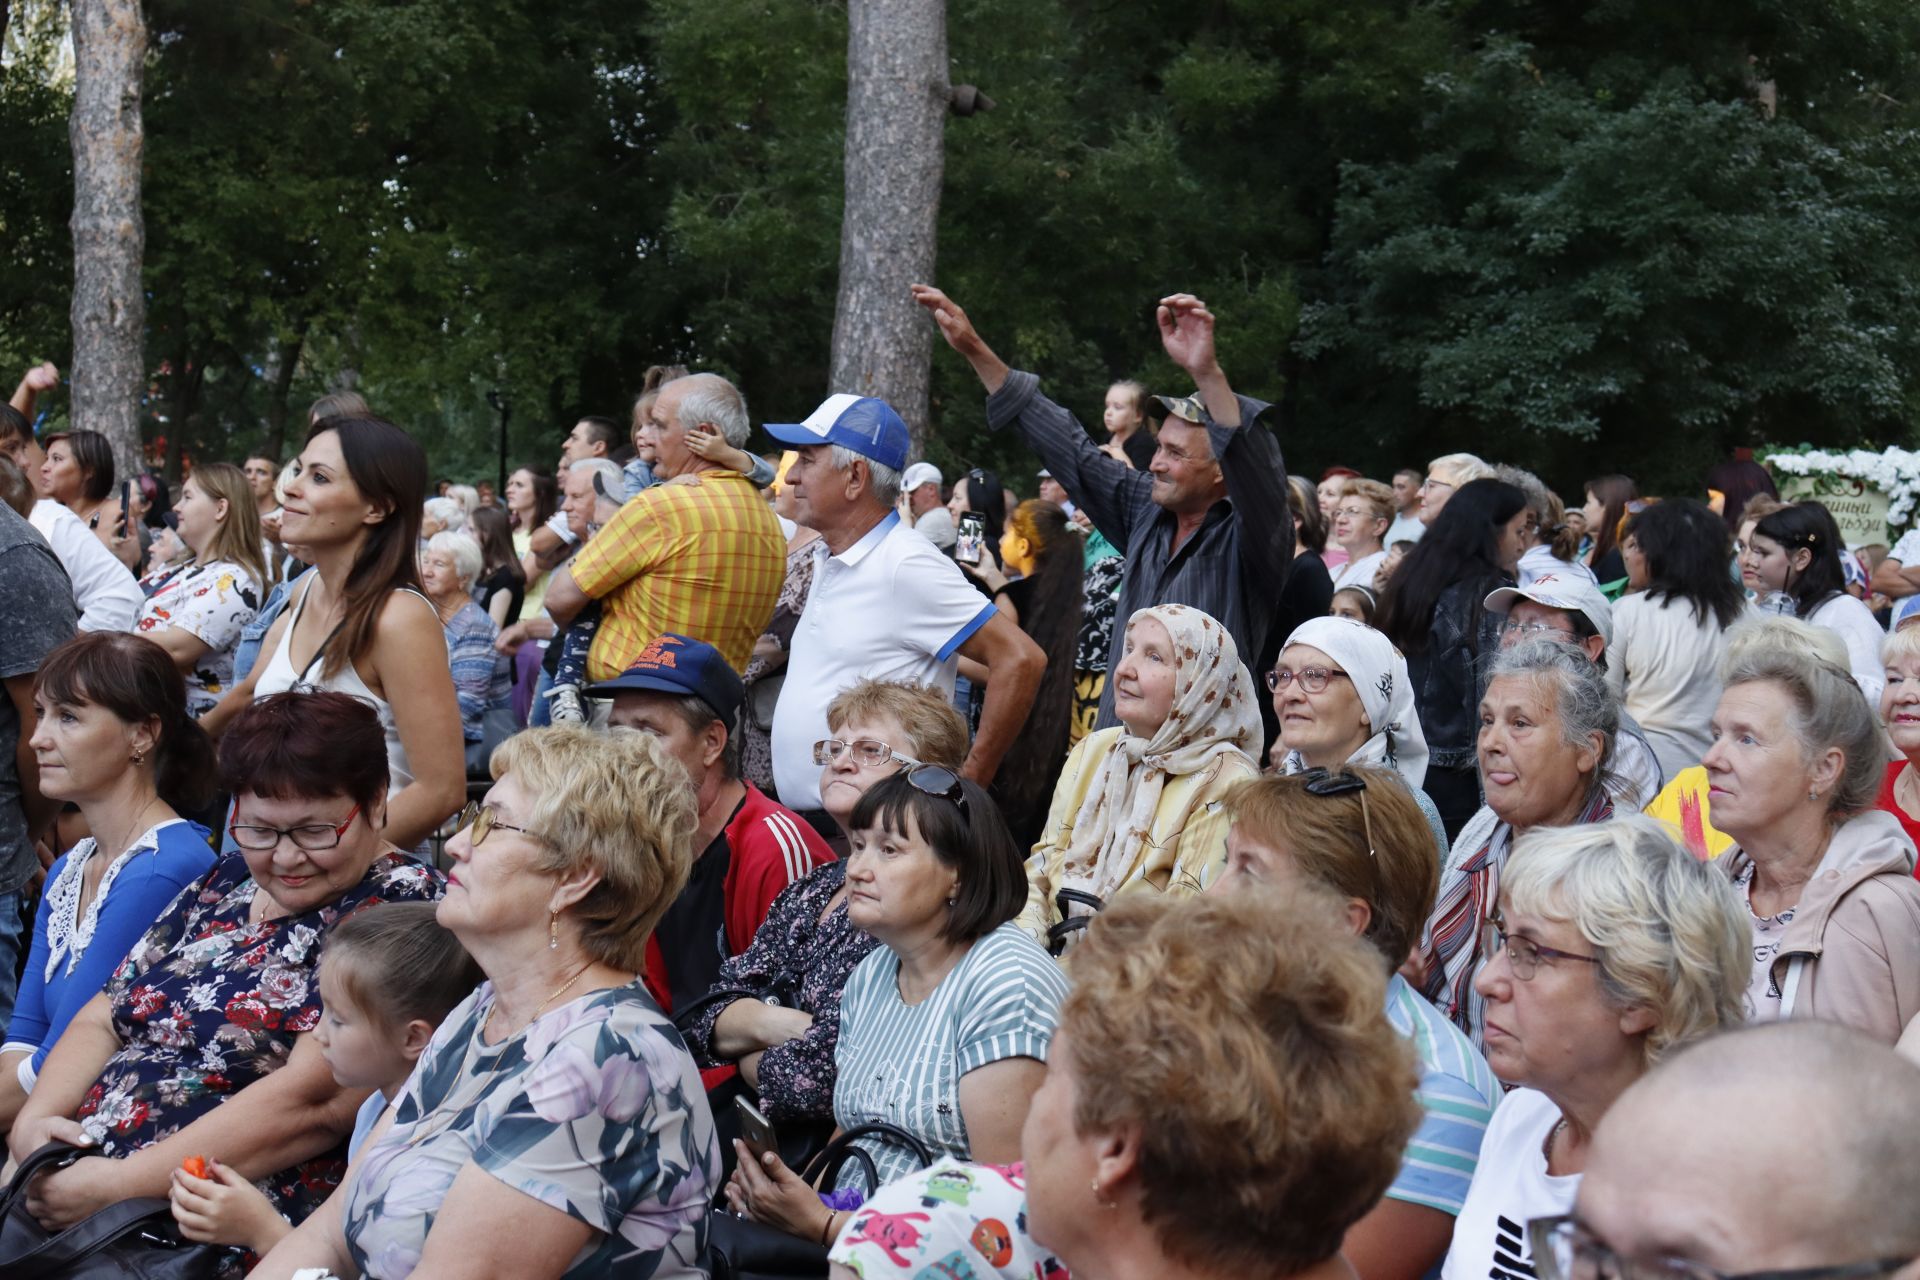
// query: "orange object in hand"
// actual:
[[196, 1166]]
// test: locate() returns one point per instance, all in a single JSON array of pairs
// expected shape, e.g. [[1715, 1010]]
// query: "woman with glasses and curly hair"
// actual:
[[944, 1026]]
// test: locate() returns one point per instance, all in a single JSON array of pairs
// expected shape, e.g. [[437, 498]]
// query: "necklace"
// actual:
[[488, 1024], [1546, 1148]]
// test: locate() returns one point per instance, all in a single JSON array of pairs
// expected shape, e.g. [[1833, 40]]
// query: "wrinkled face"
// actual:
[[1757, 767], [200, 516], [659, 715], [82, 748], [1120, 413], [1186, 477], [1145, 679], [1254, 863], [1532, 776], [1434, 493], [324, 507], [845, 779], [924, 499], [60, 476], [1528, 615], [819, 492], [260, 476], [580, 503], [666, 434], [1406, 492], [1053, 491], [1900, 704], [896, 885], [494, 889], [439, 576], [358, 1049], [1325, 727], [303, 879], [1355, 525], [1556, 1026]]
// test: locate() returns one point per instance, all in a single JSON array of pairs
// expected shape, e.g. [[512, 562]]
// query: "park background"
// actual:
[[1610, 236]]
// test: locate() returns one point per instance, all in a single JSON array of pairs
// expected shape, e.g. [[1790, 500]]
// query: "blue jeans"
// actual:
[[13, 946], [542, 713]]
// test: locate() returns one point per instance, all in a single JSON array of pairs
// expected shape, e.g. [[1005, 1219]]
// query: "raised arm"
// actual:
[[1112, 493]]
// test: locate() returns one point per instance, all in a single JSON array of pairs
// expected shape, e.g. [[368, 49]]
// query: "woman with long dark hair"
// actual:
[[533, 495], [502, 587], [980, 490], [1434, 611], [360, 623], [1607, 499], [1796, 551], [1669, 635], [1047, 600]]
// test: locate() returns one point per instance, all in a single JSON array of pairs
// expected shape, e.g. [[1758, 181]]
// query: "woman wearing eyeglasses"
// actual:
[[1137, 807], [1361, 515], [199, 1045], [1611, 946], [1342, 695], [944, 1027], [775, 1008], [555, 1126]]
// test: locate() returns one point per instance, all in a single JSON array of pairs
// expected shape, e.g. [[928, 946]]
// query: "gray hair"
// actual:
[[451, 515], [1463, 467], [464, 552], [1669, 931], [1580, 695], [885, 480], [466, 495], [1532, 486], [1827, 711], [712, 399]]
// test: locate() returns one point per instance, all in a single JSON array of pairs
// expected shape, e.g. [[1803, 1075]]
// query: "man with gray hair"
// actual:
[[885, 604], [1786, 1148], [703, 557]]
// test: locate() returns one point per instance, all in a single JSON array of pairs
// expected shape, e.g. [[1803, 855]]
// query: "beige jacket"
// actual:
[[1855, 934]]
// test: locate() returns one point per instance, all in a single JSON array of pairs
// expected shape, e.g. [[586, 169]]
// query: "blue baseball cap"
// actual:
[[864, 424], [1908, 610], [682, 665]]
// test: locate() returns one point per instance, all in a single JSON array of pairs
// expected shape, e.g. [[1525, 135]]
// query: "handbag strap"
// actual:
[[44, 1159], [54, 1258], [841, 1149]]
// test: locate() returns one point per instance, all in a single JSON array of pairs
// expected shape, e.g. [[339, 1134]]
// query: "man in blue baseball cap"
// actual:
[[885, 602], [1206, 525], [683, 692]]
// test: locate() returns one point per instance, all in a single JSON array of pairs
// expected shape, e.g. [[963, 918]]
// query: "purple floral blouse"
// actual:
[[207, 1003], [800, 962]]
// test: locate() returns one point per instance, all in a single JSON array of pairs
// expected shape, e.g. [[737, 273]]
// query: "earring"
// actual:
[[139, 757], [1100, 1196], [553, 932]]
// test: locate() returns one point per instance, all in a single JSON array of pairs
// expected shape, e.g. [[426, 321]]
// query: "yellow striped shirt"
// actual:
[[703, 560]]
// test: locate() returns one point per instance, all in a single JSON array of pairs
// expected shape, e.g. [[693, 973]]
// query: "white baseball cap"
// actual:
[[1573, 592], [918, 474]]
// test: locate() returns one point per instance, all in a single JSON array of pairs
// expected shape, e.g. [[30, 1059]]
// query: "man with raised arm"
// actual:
[[1206, 525]]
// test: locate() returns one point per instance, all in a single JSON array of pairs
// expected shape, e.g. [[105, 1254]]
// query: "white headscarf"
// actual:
[[1213, 714], [1378, 672]]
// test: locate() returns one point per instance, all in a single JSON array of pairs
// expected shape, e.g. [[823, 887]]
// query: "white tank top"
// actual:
[[279, 676]]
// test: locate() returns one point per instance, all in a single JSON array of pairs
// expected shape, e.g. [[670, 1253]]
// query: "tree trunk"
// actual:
[[289, 356], [896, 115], [109, 310]]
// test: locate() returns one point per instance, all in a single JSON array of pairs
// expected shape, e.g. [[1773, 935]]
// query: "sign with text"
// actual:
[[1859, 509]]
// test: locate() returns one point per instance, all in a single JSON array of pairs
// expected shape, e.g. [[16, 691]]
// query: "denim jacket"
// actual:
[[246, 650]]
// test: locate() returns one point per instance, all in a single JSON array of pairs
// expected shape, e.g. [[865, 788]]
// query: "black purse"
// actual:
[[1062, 930], [133, 1240], [742, 1249]]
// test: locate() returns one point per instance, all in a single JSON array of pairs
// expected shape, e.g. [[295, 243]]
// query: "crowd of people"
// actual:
[[683, 862]]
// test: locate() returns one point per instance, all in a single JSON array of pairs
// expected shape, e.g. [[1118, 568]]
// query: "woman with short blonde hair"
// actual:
[[556, 1126], [1362, 513]]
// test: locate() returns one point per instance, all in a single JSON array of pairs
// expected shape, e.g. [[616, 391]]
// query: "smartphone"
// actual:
[[755, 1129], [126, 499], [972, 540]]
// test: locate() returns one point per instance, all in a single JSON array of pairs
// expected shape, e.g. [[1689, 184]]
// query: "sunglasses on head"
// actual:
[[938, 780], [1324, 782]]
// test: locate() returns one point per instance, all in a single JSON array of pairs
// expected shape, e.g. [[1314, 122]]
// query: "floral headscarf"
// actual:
[[1213, 714], [1379, 676]]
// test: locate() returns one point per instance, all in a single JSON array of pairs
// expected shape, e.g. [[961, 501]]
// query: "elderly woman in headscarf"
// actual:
[[1342, 696], [1139, 805]]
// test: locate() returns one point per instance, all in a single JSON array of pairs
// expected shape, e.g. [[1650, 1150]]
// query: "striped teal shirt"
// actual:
[[902, 1063], [1457, 1095]]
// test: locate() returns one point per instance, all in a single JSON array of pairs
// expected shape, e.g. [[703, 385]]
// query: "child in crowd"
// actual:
[[1353, 602], [1395, 554], [390, 974]]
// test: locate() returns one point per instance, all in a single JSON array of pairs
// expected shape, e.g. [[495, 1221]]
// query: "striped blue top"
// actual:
[[902, 1063], [1457, 1095]]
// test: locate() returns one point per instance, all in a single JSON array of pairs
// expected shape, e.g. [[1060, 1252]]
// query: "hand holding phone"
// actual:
[[971, 543], [755, 1129]]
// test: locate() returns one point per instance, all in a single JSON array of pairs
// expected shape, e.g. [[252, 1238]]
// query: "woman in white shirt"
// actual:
[[1669, 634], [1613, 945], [1361, 516], [1796, 550]]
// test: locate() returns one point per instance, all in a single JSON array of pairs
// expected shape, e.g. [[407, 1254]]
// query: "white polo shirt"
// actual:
[[890, 607], [107, 593]]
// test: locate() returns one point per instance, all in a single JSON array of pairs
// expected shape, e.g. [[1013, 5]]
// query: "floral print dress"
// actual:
[[594, 1109], [208, 1002]]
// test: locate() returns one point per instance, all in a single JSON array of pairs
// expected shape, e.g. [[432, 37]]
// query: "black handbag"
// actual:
[[742, 1249], [1062, 930], [133, 1240]]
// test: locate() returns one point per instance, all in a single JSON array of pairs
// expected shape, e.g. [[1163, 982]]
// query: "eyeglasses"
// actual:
[[481, 818], [1524, 954], [1312, 679], [314, 838], [938, 780], [1323, 782], [1431, 483], [1565, 1250], [1528, 630], [1357, 513], [865, 751]]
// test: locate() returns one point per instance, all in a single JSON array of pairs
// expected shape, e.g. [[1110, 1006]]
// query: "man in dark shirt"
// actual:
[[37, 601], [1207, 525]]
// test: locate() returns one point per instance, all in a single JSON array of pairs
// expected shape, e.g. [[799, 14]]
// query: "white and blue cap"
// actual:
[[1906, 613], [865, 424]]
